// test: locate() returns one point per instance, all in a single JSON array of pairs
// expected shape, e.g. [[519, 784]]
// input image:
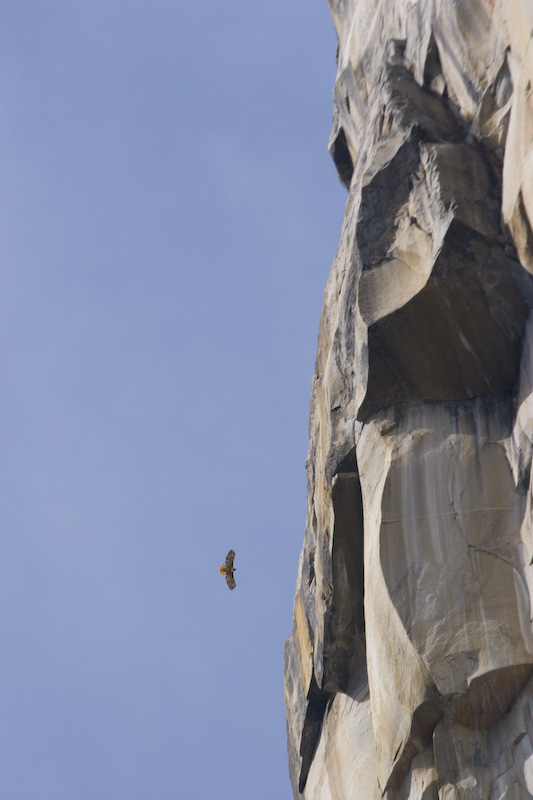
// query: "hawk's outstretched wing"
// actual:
[[227, 569], [229, 560], [230, 580]]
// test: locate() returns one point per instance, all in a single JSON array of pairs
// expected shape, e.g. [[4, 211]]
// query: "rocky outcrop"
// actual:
[[409, 670]]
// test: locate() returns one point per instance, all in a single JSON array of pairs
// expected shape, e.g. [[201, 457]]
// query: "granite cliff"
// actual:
[[409, 670]]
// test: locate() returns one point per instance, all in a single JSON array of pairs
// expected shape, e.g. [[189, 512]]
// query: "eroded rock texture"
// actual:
[[409, 671]]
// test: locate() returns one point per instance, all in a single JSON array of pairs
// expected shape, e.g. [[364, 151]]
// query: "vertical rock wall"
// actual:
[[409, 671]]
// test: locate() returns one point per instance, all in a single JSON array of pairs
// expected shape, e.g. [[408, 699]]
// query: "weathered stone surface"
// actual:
[[408, 671]]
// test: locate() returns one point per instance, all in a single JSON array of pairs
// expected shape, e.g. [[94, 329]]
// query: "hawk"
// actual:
[[228, 570]]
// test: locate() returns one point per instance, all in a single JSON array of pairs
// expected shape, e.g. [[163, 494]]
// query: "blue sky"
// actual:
[[169, 214]]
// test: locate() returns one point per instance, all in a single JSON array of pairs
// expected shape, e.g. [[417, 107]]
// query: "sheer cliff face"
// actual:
[[409, 671]]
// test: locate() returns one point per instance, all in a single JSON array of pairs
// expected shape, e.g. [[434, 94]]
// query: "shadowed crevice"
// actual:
[[344, 650], [316, 706], [340, 153]]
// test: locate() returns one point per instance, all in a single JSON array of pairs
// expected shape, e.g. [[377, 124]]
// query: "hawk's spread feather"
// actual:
[[228, 570]]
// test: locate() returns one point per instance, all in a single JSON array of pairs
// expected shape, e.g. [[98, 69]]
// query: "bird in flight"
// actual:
[[227, 569]]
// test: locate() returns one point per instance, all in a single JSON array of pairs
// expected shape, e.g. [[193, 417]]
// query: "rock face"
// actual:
[[409, 671]]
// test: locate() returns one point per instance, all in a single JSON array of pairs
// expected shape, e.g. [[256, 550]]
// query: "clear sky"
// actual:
[[169, 214]]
